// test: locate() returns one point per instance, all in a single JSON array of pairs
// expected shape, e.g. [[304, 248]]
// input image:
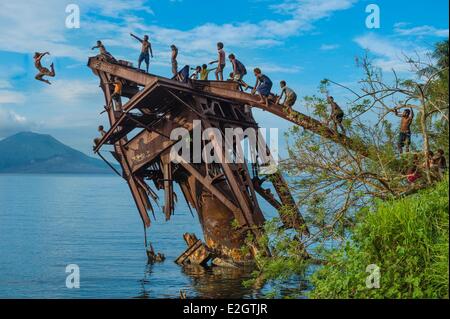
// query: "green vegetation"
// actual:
[[364, 210], [406, 238]]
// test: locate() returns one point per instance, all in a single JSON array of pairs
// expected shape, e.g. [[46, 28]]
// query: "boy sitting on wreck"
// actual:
[[196, 73], [205, 72], [43, 71], [103, 52]]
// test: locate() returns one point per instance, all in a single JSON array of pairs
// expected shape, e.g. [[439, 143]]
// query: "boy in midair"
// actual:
[[220, 61], [336, 116], [43, 71], [404, 138], [146, 51]]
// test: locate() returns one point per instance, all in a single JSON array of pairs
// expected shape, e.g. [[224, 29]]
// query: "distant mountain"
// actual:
[[28, 152]]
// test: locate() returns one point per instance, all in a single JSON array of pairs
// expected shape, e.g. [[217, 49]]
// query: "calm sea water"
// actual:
[[50, 221]]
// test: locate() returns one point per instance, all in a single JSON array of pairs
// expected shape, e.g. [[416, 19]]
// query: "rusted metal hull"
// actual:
[[217, 223], [223, 193]]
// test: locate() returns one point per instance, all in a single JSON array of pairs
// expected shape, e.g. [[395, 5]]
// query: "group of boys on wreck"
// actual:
[[263, 86]]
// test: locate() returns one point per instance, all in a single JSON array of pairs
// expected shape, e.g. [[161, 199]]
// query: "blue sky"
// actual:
[[300, 41]]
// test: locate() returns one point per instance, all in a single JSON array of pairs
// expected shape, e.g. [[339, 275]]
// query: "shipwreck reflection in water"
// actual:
[[220, 282], [202, 282]]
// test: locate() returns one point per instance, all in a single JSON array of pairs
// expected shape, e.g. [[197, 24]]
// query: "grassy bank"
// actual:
[[406, 238]]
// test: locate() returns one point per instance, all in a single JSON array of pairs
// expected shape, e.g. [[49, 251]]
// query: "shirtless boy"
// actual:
[[43, 71]]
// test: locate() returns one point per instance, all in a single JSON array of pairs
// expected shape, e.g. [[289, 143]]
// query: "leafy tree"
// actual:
[[335, 186]]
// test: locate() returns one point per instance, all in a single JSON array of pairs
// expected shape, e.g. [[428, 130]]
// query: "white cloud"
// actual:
[[302, 14], [5, 84], [29, 26], [391, 53], [71, 91], [329, 47], [11, 97], [11, 123], [41, 27], [424, 30]]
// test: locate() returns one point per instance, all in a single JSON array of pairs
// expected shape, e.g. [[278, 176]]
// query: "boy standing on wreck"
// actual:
[[174, 59], [146, 51], [221, 62]]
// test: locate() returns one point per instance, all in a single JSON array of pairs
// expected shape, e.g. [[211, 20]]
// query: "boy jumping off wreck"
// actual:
[[43, 71]]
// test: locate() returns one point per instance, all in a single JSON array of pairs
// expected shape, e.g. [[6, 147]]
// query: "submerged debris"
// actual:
[[197, 252], [154, 257]]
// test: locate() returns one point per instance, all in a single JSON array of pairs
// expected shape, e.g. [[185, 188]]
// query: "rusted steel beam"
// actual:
[[168, 185], [206, 182], [291, 219], [232, 95], [268, 196], [118, 147], [236, 185], [127, 108], [127, 73], [295, 117], [222, 193], [146, 146], [197, 252]]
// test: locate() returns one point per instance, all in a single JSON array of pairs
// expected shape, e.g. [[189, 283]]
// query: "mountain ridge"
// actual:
[[28, 152]]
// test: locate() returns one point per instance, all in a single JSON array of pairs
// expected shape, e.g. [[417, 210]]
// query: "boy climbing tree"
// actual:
[[404, 139]]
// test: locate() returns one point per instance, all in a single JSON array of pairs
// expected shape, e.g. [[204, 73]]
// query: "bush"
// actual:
[[406, 238]]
